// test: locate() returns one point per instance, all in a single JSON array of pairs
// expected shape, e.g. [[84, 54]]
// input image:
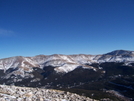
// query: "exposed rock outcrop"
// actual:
[[13, 93]]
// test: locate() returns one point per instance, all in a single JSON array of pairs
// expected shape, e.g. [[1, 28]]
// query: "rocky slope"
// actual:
[[12, 93]]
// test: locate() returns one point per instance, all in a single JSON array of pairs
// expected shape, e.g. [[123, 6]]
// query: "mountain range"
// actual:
[[80, 73], [64, 63]]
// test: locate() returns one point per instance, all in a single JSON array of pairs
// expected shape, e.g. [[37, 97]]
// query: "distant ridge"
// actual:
[[64, 63], [120, 52]]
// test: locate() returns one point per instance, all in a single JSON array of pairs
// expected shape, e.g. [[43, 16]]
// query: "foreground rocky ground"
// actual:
[[13, 93]]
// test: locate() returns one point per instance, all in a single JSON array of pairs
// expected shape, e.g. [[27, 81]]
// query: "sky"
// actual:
[[34, 27]]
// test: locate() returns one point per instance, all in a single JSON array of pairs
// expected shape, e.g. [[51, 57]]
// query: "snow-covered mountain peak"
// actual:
[[120, 52], [64, 63], [18, 61]]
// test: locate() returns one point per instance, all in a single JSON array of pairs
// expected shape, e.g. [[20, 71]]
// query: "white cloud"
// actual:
[[4, 32]]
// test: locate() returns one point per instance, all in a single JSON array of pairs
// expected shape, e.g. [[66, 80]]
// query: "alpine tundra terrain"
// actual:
[[12, 93], [108, 77]]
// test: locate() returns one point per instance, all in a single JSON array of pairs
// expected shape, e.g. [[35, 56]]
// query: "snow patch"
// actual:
[[66, 68]]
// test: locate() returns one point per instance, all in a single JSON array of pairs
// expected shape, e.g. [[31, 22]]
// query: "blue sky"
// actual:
[[33, 27]]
